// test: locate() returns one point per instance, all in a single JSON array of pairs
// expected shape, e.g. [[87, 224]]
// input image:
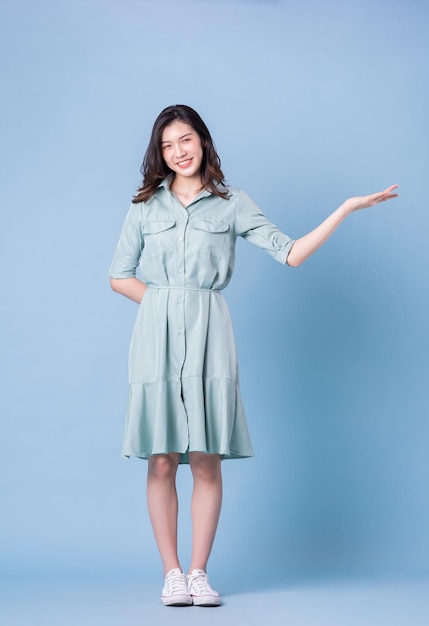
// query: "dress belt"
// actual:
[[183, 288]]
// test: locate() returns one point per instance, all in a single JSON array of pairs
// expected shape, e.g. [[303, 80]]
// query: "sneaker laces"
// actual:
[[200, 584], [175, 582]]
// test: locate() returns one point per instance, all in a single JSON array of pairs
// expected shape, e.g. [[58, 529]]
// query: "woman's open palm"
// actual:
[[363, 202]]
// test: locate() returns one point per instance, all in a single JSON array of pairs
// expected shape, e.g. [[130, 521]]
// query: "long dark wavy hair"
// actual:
[[154, 169]]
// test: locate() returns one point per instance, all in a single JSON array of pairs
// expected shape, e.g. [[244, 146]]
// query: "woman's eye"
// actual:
[[166, 146]]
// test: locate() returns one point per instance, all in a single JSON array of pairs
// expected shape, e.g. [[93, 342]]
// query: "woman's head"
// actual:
[[154, 168]]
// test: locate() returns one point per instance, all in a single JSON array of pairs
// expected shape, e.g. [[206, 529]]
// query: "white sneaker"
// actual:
[[175, 591], [201, 592]]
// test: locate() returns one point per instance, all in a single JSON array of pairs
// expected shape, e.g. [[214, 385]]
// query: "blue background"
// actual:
[[308, 103]]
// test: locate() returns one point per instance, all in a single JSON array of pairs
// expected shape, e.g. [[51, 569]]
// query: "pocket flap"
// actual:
[[211, 226], [152, 227]]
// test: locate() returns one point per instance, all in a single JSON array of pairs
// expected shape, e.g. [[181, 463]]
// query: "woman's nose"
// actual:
[[179, 150]]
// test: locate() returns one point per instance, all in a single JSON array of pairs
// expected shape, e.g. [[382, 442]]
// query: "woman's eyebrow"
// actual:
[[182, 137]]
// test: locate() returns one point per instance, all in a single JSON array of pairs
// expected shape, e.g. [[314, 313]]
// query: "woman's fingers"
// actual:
[[386, 194]]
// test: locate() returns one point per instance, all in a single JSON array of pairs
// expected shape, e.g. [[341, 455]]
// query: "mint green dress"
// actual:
[[183, 374]]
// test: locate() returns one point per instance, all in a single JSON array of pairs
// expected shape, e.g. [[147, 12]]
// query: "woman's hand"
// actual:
[[363, 202]]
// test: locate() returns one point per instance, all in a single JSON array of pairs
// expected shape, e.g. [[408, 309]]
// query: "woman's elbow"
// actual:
[[293, 260], [114, 284]]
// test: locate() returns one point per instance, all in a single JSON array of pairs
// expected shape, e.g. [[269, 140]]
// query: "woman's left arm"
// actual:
[[309, 243]]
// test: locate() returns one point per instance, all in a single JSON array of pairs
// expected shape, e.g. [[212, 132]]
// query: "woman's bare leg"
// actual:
[[206, 505], [163, 506]]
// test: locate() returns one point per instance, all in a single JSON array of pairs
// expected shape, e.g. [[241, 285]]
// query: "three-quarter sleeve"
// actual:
[[130, 245], [256, 228]]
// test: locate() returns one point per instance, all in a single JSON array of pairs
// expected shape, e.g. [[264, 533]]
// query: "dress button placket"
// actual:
[[181, 247], [180, 298]]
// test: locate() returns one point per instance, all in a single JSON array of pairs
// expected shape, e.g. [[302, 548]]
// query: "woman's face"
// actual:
[[182, 150]]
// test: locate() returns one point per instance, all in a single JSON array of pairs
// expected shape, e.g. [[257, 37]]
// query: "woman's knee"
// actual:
[[206, 467], [163, 466]]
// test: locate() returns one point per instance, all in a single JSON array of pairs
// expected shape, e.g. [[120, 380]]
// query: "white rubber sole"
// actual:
[[206, 600], [176, 600]]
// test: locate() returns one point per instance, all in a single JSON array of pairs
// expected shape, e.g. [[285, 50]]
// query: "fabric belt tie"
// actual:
[[183, 288]]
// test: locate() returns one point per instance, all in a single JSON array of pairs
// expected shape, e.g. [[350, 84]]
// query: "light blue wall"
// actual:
[[308, 103]]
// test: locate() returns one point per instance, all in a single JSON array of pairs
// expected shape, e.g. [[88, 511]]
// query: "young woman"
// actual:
[[184, 399]]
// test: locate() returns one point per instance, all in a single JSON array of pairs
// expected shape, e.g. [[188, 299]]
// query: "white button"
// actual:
[[180, 269]]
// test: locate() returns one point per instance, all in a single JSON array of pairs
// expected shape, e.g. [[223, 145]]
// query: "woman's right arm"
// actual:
[[122, 271], [132, 288]]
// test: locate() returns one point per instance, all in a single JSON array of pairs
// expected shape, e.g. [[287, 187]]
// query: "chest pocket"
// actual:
[[158, 237], [207, 237]]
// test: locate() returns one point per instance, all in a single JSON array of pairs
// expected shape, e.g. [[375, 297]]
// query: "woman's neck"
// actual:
[[186, 189]]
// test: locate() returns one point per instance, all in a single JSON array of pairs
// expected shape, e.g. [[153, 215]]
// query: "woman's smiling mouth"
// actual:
[[184, 163]]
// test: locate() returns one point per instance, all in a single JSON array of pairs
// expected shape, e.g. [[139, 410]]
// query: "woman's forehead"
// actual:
[[176, 130]]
